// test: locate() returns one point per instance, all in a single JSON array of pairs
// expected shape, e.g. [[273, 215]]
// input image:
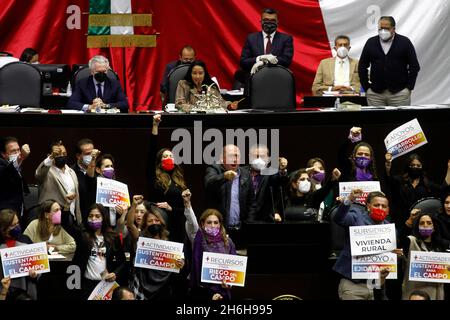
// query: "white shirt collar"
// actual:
[[271, 35]]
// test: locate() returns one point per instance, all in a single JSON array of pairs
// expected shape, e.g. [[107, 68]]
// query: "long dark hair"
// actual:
[[165, 179], [6, 219], [293, 177], [406, 178], [372, 167], [28, 54], [106, 229], [207, 80], [435, 236]]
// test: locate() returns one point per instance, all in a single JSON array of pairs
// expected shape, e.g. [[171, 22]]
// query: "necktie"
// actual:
[[99, 91], [268, 45]]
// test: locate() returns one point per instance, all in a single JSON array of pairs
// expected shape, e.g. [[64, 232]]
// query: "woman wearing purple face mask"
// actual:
[[11, 236], [211, 237], [103, 166], [425, 237], [360, 166], [47, 228], [316, 171], [99, 252]]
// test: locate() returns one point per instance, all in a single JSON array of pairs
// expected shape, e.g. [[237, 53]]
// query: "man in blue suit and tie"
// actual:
[[97, 90], [268, 46]]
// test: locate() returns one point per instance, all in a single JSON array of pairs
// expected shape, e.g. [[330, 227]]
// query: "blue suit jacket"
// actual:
[[282, 48], [85, 92]]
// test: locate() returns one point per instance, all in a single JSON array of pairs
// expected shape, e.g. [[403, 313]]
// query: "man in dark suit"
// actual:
[[83, 154], [229, 189], [393, 67], [12, 185], [268, 46], [98, 91], [186, 56], [267, 184]]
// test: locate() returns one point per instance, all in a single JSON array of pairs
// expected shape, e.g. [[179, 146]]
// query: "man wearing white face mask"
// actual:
[[339, 73], [266, 184], [83, 155], [12, 185], [393, 67]]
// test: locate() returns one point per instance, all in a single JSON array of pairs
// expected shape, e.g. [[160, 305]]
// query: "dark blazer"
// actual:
[[218, 192], [12, 187], [268, 197], [85, 92], [85, 199], [394, 71], [282, 48]]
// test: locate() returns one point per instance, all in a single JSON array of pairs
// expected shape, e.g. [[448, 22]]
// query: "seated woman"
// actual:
[[47, 228], [29, 55], [303, 200], [194, 83]]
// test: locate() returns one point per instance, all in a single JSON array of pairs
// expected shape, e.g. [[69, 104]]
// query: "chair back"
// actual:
[[176, 74], [430, 205], [85, 72], [20, 83], [272, 88]]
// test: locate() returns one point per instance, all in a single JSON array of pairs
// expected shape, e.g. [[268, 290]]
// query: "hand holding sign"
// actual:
[[354, 194]]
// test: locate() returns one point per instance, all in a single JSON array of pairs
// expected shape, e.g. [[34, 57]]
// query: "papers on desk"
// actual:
[[56, 256], [9, 109], [235, 92], [68, 111], [330, 93], [33, 110]]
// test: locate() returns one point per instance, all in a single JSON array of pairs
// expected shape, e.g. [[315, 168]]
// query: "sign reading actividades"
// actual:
[[429, 266], [19, 261], [345, 188], [405, 138], [217, 267], [111, 192], [369, 267], [374, 239], [158, 254]]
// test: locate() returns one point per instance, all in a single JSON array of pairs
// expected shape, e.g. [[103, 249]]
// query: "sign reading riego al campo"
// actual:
[[217, 267]]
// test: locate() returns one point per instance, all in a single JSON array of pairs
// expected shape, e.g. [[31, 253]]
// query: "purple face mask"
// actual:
[[362, 162], [425, 232], [212, 231], [95, 224], [319, 176], [108, 173]]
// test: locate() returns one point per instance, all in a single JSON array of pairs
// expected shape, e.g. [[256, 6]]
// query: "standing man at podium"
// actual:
[[267, 46], [393, 67]]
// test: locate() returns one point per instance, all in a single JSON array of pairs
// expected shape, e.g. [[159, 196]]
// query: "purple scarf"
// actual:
[[361, 175]]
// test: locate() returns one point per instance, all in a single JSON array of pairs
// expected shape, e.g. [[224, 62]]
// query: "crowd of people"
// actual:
[[101, 239]]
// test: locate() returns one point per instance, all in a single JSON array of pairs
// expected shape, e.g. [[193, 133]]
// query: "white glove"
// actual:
[[256, 67], [268, 58]]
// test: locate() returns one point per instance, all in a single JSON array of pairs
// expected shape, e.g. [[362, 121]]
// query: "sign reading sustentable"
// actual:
[[158, 254], [429, 266], [19, 261], [111, 192]]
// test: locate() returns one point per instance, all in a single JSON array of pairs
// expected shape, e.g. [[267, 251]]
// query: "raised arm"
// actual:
[[134, 231]]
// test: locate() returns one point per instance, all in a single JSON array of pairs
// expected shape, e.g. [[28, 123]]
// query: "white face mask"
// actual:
[[258, 164], [87, 159], [342, 52], [384, 34], [304, 186], [36, 62], [13, 157]]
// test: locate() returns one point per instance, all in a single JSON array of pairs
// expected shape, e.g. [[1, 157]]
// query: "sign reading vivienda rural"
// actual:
[[373, 239]]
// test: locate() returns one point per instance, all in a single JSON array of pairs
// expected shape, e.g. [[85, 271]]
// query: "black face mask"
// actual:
[[100, 76], [60, 162], [415, 172], [154, 229], [269, 27]]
